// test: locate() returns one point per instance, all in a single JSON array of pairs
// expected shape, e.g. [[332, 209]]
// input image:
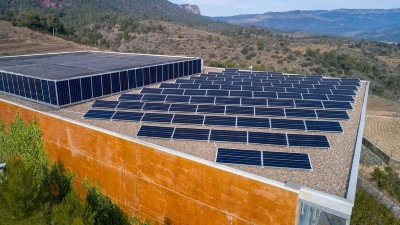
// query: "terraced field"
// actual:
[[17, 41]]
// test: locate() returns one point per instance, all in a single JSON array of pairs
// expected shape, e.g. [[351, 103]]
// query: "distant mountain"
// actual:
[[191, 8], [372, 24]]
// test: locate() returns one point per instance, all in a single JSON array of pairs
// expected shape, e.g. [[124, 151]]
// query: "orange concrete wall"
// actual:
[[155, 185]]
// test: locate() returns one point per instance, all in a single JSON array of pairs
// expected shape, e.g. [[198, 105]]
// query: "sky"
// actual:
[[237, 7]]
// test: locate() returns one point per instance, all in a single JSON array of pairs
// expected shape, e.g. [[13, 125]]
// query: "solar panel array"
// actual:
[[237, 99], [68, 91]]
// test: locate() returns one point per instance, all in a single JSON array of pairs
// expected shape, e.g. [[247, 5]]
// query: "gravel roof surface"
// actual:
[[331, 167]]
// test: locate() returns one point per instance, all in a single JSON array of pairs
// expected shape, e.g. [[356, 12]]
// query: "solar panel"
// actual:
[[346, 98], [183, 108], [212, 109], [191, 134], [220, 121], [337, 105], [151, 91], [240, 110], [218, 93], [98, 114], [296, 90], [274, 89], [184, 81], [209, 86], [267, 138], [173, 91], [188, 119], [228, 136], [270, 112], [258, 94], [130, 97], [253, 122], [230, 87], [241, 94], [227, 101], [189, 86], [280, 103], [328, 126], [347, 87], [127, 116], [315, 97], [155, 132], [311, 141], [237, 156], [287, 124], [157, 118], [177, 98], [195, 92], [202, 100], [308, 104], [105, 104], [343, 92], [319, 91], [254, 101], [156, 106], [252, 88], [302, 113], [131, 105], [286, 160], [334, 115], [169, 85], [154, 98]]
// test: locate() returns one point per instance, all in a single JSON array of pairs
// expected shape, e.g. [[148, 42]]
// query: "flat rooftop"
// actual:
[[60, 66], [331, 168]]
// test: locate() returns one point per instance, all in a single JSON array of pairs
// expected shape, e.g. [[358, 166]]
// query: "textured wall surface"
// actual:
[[157, 185]]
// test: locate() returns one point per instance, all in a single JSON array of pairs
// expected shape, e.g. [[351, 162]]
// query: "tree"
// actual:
[[52, 22]]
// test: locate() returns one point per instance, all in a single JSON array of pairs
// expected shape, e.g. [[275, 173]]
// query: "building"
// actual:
[[225, 147]]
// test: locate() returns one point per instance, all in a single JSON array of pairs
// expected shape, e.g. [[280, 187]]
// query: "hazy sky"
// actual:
[[236, 7]]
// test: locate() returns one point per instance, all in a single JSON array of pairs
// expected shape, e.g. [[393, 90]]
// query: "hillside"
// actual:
[[378, 25]]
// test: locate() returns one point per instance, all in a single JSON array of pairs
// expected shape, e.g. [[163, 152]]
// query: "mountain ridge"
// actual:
[[353, 23]]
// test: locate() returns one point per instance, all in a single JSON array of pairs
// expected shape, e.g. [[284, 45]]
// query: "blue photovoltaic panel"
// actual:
[[171, 71], [86, 84], [289, 95], [146, 76], [99, 114], [62, 92], [319, 91], [11, 80], [168, 85], [237, 156], [280, 103], [32, 88], [176, 70], [155, 98], [252, 88], [333, 115], [123, 77], [267, 138], [191, 134], [156, 106], [220, 121], [132, 79], [181, 69], [106, 84], [186, 68], [46, 94], [97, 86], [128, 116], [157, 118], [227, 101], [1, 81], [155, 132], [151, 91], [115, 83], [130, 97], [218, 93], [130, 105], [173, 91], [315, 97], [188, 119], [39, 89], [19, 88], [346, 98], [308, 104], [313, 141], [211, 109], [153, 75], [302, 113], [52, 93], [228, 136], [26, 87], [286, 160], [159, 74], [240, 110], [177, 99], [254, 101], [230, 87], [270, 112], [347, 87], [189, 86], [253, 122], [202, 100], [183, 108], [241, 94], [75, 90], [139, 78], [210, 87], [343, 92], [105, 104], [337, 105], [198, 92], [328, 126], [165, 73], [287, 124]]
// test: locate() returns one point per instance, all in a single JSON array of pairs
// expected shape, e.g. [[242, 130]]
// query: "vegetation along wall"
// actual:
[[156, 185]]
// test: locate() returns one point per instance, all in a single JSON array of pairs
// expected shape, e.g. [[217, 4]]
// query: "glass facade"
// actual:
[[310, 215]]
